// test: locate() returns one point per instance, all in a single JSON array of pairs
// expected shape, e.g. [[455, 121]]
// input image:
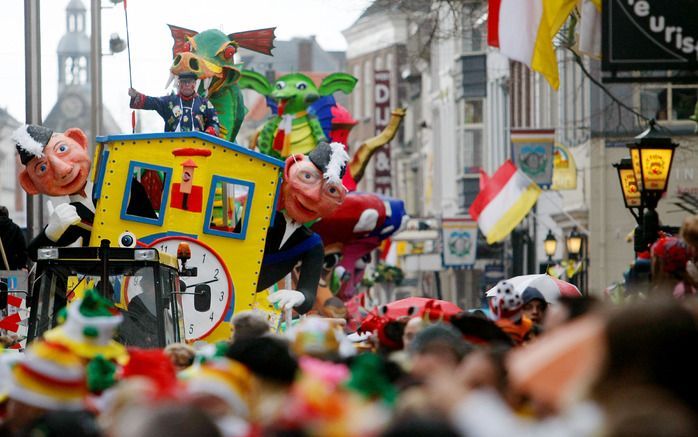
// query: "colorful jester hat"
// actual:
[[48, 376], [89, 327]]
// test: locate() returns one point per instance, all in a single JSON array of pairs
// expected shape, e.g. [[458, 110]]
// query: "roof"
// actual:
[[7, 120], [199, 135], [286, 57], [393, 6], [74, 43], [75, 5]]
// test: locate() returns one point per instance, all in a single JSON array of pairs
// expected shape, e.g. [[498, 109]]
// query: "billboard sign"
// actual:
[[649, 35], [381, 116]]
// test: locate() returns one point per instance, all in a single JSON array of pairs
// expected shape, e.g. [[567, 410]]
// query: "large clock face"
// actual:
[[201, 314], [72, 106]]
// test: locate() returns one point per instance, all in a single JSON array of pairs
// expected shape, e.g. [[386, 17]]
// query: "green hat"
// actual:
[[89, 327]]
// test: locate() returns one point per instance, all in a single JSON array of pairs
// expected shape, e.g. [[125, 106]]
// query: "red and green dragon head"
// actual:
[[211, 56]]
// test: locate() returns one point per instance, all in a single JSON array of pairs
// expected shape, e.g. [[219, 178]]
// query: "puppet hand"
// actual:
[[132, 92], [60, 220], [211, 131], [287, 299]]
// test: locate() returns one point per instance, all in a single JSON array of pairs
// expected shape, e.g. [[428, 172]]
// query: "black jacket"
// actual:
[[139, 204], [82, 229], [303, 245], [14, 244]]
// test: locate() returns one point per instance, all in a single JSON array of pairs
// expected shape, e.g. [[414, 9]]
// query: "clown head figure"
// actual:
[[312, 186], [56, 164]]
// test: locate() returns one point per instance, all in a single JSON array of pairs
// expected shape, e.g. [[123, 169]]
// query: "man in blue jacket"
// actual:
[[185, 111]]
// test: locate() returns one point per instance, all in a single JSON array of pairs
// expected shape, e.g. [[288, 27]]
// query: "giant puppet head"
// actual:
[[298, 124], [312, 186], [295, 92], [56, 164], [210, 55]]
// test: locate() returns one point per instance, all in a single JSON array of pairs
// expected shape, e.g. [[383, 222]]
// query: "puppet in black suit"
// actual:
[[57, 164], [311, 189]]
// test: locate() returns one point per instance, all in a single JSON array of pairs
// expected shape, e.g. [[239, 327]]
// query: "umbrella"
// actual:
[[549, 286], [411, 307], [416, 306]]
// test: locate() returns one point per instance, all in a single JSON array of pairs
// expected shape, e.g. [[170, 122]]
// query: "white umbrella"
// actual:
[[550, 287]]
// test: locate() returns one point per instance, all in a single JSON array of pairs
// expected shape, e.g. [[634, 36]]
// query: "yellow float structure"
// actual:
[[215, 196]]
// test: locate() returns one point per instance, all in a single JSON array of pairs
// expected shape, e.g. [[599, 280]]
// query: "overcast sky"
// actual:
[[151, 43]]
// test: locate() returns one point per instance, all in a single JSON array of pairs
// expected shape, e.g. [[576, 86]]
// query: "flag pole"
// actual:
[[130, 76]]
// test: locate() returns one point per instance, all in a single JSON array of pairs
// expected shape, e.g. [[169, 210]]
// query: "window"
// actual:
[[473, 76], [668, 103], [469, 136], [228, 210], [521, 100], [468, 189], [473, 40], [469, 144], [473, 111], [145, 196]]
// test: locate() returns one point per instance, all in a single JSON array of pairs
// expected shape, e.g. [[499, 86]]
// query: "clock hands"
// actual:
[[203, 283]]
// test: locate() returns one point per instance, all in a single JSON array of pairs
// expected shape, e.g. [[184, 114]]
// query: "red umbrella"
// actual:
[[434, 309], [417, 306]]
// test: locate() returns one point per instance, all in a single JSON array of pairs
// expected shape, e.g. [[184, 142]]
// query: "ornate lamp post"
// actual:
[[577, 252], [651, 155], [574, 244], [628, 184], [550, 245], [632, 197]]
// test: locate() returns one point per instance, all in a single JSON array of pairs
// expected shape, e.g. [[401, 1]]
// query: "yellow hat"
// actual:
[[226, 379], [48, 376], [89, 328]]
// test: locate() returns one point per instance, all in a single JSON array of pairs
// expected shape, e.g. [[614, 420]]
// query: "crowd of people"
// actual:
[[530, 365]]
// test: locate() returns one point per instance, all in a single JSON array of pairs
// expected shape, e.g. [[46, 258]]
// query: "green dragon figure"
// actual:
[[293, 129], [210, 55]]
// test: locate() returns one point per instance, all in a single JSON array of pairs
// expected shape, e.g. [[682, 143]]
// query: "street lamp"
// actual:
[[651, 155], [550, 245], [632, 196], [574, 243]]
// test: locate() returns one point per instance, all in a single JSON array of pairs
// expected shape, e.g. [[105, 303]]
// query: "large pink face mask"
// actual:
[[62, 170], [307, 196]]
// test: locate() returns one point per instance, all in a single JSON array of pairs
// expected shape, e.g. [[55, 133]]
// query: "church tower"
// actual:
[[72, 108], [74, 49]]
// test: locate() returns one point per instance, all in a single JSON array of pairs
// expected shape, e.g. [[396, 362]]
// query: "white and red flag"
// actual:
[[503, 202]]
